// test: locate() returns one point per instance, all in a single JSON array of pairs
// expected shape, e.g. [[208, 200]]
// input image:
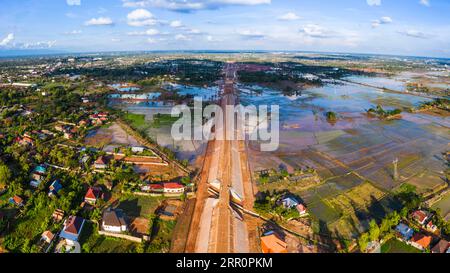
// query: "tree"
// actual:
[[5, 175], [363, 241], [374, 231]]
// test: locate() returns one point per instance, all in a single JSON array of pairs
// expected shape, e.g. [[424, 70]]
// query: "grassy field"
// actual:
[[396, 246], [137, 120], [139, 206], [92, 242], [444, 206], [160, 120]]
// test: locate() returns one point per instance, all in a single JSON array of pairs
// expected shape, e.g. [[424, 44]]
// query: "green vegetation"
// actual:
[[161, 236], [382, 113], [396, 246], [269, 204], [331, 117], [160, 120], [137, 120], [440, 103], [92, 242], [139, 206]]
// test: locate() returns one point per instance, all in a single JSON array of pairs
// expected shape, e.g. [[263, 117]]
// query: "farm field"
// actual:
[[351, 151], [396, 246], [444, 206]]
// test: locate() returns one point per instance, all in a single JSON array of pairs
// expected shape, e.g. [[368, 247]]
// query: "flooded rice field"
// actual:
[[353, 150]]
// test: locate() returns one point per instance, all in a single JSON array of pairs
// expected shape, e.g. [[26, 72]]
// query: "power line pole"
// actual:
[[395, 162]]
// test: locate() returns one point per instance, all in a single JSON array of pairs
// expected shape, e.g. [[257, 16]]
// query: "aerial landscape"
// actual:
[[316, 128]]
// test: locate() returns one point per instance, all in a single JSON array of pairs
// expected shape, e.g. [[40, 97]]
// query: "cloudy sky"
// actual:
[[406, 27]]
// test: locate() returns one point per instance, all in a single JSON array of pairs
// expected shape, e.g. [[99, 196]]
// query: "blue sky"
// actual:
[[405, 27]]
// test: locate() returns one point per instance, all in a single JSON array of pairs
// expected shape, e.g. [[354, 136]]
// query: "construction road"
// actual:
[[216, 227]]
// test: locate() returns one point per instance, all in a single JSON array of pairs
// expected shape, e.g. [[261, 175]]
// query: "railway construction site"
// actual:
[[224, 188]]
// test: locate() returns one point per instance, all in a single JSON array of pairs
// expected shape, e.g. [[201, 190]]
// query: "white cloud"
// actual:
[[149, 32], [250, 34], [73, 32], [73, 2], [141, 18], [8, 39], [181, 37], [316, 31], [425, 2], [39, 45], [290, 16], [139, 14], [143, 23], [386, 20], [213, 39], [151, 41], [415, 34], [382, 21], [176, 24], [194, 31], [100, 21], [115, 40], [374, 2], [191, 5]]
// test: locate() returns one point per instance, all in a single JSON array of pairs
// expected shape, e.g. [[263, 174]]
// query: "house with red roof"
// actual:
[[421, 241], [16, 200], [431, 227], [420, 216], [158, 188], [47, 236], [101, 163], [92, 195], [173, 188]]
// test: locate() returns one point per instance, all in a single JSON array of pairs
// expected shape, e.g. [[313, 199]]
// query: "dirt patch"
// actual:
[[139, 226]]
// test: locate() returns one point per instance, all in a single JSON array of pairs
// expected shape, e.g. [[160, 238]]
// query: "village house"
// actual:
[[155, 188], [40, 169], [420, 216], [173, 188], [16, 200], [431, 227], [25, 141], [54, 188], [68, 135], [291, 202], [441, 247], [271, 243], [100, 163], [47, 236], [58, 215], [421, 241], [137, 149], [72, 228], [83, 123], [92, 195], [405, 232], [114, 221]]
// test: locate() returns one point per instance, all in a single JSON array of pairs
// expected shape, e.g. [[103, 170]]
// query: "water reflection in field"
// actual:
[[354, 149]]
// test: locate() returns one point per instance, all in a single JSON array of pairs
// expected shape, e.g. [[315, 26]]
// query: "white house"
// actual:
[[173, 188]]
